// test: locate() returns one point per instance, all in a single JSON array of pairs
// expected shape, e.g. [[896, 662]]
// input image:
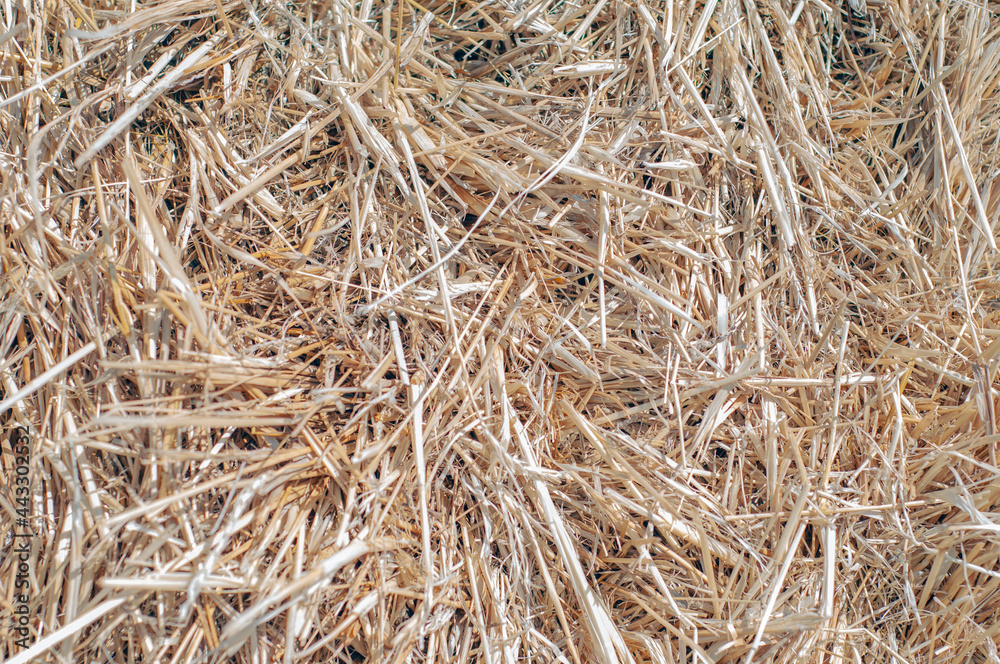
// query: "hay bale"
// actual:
[[528, 331]]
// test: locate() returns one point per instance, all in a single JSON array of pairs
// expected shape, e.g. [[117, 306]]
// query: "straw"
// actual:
[[397, 331]]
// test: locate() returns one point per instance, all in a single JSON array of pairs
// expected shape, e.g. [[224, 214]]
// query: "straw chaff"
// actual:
[[612, 332]]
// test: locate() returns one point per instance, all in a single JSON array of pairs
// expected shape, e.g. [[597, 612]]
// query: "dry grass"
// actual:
[[622, 331]]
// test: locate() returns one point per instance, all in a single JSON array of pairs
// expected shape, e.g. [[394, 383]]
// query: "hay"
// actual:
[[523, 331]]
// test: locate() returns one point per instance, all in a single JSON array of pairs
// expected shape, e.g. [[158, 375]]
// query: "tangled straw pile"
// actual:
[[617, 331]]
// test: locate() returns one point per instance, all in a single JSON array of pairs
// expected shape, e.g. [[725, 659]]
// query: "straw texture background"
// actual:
[[607, 331]]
